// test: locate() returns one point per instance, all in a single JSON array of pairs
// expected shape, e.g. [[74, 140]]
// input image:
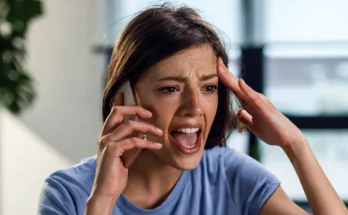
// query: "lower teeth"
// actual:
[[188, 147]]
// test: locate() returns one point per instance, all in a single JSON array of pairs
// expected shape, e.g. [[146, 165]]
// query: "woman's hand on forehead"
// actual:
[[258, 113]]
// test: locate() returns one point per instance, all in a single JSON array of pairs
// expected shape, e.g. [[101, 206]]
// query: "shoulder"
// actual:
[[249, 182], [64, 189], [223, 165], [235, 164], [79, 174], [228, 159]]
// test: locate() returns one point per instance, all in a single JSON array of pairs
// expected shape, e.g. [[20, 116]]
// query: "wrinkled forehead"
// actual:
[[195, 61]]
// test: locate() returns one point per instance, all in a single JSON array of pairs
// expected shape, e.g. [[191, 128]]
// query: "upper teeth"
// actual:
[[188, 130]]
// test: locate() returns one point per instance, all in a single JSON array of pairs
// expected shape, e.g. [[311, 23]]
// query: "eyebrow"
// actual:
[[181, 78]]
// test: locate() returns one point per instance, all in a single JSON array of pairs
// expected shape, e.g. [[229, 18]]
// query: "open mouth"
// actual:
[[187, 140]]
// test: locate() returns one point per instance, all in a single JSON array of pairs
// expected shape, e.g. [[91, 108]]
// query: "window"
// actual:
[[237, 141], [310, 20], [330, 148], [307, 79]]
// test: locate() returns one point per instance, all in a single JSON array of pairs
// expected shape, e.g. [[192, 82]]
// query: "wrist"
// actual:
[[100, 193], [297, 149], [101, 204], [97, 199]]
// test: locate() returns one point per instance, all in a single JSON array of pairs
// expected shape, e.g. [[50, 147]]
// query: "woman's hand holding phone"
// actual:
[[115, 139]]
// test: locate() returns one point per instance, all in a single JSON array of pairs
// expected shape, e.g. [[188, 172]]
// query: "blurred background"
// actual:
[[53, 59]]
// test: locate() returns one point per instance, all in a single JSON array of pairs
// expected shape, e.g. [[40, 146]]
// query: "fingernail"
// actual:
[[158, 144], [158, 129], [220, 60], [148, 112]]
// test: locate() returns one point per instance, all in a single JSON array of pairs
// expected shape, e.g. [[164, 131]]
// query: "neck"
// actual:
[[150, 180]]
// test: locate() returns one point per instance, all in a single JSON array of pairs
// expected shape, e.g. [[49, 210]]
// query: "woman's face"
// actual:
[[181, 92]]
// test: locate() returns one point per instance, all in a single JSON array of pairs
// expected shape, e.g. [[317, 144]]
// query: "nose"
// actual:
[[191, 105]]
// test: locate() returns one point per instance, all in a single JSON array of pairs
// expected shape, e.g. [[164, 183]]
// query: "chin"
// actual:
[[186, 163], [179, 160]]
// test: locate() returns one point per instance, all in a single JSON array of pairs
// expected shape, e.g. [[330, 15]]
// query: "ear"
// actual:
[[117, 100]]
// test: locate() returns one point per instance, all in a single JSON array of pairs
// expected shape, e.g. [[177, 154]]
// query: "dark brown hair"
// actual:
[[158, 33]]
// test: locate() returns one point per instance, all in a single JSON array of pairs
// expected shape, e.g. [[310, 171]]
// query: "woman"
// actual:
[[175, 63]]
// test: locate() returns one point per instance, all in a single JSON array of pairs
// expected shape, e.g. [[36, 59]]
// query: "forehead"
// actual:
[[198, 60]]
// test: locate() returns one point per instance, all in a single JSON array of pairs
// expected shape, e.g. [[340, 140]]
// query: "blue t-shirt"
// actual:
[[225, 182]]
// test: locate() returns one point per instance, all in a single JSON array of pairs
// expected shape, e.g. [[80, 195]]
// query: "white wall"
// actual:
[[61, 127]]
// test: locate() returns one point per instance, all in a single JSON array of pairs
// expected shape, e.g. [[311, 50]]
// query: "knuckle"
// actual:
[[107, 148], [153, 128], [110, 149], [143, 110], [114, 109], [140, 109], [117, 111], [257, 97], [130, 123], [146, 127], [262, 97], [103, 141], [133, 140]]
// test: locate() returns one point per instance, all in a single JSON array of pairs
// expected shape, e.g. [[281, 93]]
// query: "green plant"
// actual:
[[16, 86]]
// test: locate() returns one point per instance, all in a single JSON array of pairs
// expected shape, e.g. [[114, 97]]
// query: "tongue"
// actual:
[[184, 138]]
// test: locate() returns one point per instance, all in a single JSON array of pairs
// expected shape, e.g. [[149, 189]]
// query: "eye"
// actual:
[[211, 88], [168, 89]]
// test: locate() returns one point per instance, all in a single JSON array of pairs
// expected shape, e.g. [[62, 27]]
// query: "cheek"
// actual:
[[210, 108], [162, 113]]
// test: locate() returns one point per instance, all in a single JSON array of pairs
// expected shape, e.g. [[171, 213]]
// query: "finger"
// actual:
[[240, 126], [129, 156], [135, 142], [259, 102], [111, 119], [132, 148], [118, 113], [244, 117], [129, 149], [252, 94], [230, 81], [129, 127]]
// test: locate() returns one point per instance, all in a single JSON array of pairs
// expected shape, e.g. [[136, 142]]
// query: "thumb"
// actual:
[[244, 117]]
